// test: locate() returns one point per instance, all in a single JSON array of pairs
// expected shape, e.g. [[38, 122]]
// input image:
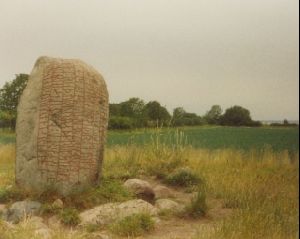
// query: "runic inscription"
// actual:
[[71, 122]]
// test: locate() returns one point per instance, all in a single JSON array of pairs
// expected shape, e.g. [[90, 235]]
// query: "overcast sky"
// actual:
[[190, 53]]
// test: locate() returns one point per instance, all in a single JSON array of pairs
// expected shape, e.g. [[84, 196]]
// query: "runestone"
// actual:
[[61, 126]]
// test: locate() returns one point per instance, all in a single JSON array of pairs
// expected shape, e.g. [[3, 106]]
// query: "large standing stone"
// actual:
[[61, 126]]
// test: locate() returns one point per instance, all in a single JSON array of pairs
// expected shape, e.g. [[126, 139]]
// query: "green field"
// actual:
[[214, 137], [6, 137], [203, 137]]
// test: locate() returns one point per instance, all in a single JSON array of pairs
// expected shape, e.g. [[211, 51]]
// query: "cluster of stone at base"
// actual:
[[101, 215]]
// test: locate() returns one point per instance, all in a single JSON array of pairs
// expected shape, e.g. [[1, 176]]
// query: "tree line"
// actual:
[[133, 113]]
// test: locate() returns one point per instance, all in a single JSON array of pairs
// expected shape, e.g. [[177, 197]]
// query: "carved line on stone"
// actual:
[[80, 82]]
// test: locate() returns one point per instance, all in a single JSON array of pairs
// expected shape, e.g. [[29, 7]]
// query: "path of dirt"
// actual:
[[181, 228]]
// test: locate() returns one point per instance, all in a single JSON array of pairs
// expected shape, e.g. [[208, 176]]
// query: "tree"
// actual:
[[178, 113], [134, 107], [236, 116], [214, 114], [157, 113], [181, 117], [178, 116], [114, 109], [9, 99], [285, 122]]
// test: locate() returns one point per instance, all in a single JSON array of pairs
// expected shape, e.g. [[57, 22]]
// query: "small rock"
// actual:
[[58, 203], [162, 192], [20, 210], [36, 221], [110, 212], [167, 204], [140, 188]]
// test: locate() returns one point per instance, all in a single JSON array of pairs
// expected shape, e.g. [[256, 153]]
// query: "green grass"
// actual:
[[134, 225], [69, 216], [244, 138], [107, 191], [205, 137], [183, 177], [7, 137]]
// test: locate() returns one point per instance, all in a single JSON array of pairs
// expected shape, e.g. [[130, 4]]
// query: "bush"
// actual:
[[283, 125], [119, 122], [254, 123], [69, 216], [12, 194], [236, 116], [183, 177], [49, 209], [134, 225]]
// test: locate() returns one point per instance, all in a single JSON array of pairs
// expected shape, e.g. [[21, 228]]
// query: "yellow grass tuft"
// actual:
[[7, 164]]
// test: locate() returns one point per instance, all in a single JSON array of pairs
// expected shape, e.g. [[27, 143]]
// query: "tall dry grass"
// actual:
[[7, 164], [261, 186]]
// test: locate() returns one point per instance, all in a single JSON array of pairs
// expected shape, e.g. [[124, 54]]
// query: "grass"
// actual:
[[197, 207], [260, 185], [25, 230], [107, 191], [7, 136], [134, 225], [204, 137], [69, 216], [263, 190], [183, 177], [209, 137], [7, 156]]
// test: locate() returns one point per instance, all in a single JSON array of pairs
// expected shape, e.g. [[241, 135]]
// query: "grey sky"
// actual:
[[190, 53]]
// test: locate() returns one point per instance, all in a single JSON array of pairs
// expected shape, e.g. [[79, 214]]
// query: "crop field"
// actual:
[[6, 137], [214, 137], [242, 138]]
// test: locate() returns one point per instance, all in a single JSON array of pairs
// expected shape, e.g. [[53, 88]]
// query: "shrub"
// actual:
[[183, 177], [197, 207], [49, 209], [134, 225], [119, 122], [69, 216], [11, 194]]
